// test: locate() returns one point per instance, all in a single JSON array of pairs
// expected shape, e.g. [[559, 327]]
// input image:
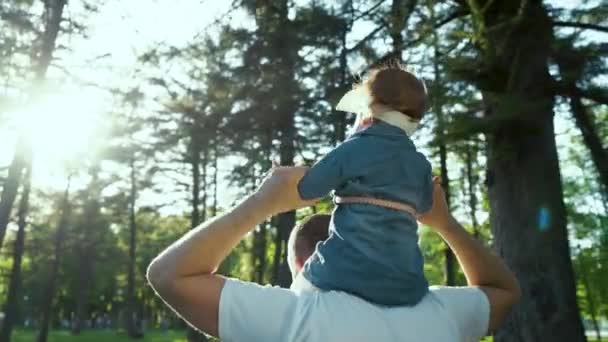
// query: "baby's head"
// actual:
[[395, 87]]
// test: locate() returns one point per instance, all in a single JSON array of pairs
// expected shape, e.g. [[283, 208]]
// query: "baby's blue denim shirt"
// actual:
[[371, 251]]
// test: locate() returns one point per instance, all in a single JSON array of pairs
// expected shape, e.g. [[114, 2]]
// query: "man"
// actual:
[[183, 276]]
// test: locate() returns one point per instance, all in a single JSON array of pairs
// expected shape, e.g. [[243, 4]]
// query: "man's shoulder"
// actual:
[[249, 311], [467, 306]]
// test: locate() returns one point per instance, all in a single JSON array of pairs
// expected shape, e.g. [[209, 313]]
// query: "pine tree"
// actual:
[[513, 40]]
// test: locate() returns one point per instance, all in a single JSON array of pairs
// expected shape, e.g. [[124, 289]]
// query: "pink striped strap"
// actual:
[[376, 201]]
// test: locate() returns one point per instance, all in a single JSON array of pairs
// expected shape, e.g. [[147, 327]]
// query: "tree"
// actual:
[[52, 17], [14, 290], [51, 284], [528, 217], [576, 66], [89, 228], [438, 109]]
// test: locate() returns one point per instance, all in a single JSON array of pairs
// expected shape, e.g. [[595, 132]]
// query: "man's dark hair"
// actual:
[[305, 236]]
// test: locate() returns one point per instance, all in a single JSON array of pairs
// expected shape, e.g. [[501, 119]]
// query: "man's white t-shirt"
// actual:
[[250, 312]]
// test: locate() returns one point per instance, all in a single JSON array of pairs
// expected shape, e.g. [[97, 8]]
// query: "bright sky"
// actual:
[[120, 32]]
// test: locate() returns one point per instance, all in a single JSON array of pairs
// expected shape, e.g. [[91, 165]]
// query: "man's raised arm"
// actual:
[[481, 267], [182, 275]]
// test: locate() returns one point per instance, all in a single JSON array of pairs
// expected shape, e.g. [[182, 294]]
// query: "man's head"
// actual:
[[304, 238], [395, 87]]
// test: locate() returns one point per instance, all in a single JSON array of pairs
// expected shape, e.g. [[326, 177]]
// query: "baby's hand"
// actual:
[[439, 215], [279, 189]]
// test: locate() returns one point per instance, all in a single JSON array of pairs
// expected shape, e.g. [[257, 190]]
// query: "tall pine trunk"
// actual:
[[261, 253], [195, 149], [14, 289], [584, 276], [52, 16], [82, 290], [11, 185], [51, 285], [449, 265], [132, 316], [592, 140], [339, 117], [87, 247], [527, 215], [470, 155], [286, 115], [215, 175]]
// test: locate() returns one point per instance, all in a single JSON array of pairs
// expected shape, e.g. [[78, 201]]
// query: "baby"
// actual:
[[380, 183]]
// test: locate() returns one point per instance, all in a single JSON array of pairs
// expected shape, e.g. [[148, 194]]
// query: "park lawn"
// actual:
[[589, 339], [151, 336], [100, 336]]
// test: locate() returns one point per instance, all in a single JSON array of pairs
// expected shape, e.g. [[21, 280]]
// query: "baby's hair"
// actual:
[[394, 86]]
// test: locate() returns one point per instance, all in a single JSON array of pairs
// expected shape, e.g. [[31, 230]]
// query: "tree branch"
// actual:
[[581, 25], [368, 11], [457, 14], [365, 39], [596, 94]]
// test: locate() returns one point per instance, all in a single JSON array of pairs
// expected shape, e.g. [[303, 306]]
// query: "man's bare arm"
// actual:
[[182, 275], [481, 267]]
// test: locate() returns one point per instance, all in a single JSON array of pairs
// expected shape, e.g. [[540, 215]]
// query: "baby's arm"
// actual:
[[328, 173]]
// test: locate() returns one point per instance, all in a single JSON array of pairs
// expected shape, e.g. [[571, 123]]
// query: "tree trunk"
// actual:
[[49, 293], [470, 152], [195, 150], [215, 157], [286, 112], [450, 267], [132, 316], [592, 140], [340, 116], [262, 255], [397, 24], [14, 289], [205, 187], [590, 300], [87, 247], [528, 215], [278, 254], [572, 64], [52, 16], [84, 279], [11, 185], [195, 164]]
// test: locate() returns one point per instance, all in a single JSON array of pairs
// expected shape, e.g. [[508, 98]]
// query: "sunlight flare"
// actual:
[[61, 126]]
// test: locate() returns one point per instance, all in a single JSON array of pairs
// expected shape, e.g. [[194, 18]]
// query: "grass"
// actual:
[[100, 336], [151, 336], [589, 339]]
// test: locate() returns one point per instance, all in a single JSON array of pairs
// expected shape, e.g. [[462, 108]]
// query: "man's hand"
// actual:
[[481, 267], [279, 190], [439, 215]]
